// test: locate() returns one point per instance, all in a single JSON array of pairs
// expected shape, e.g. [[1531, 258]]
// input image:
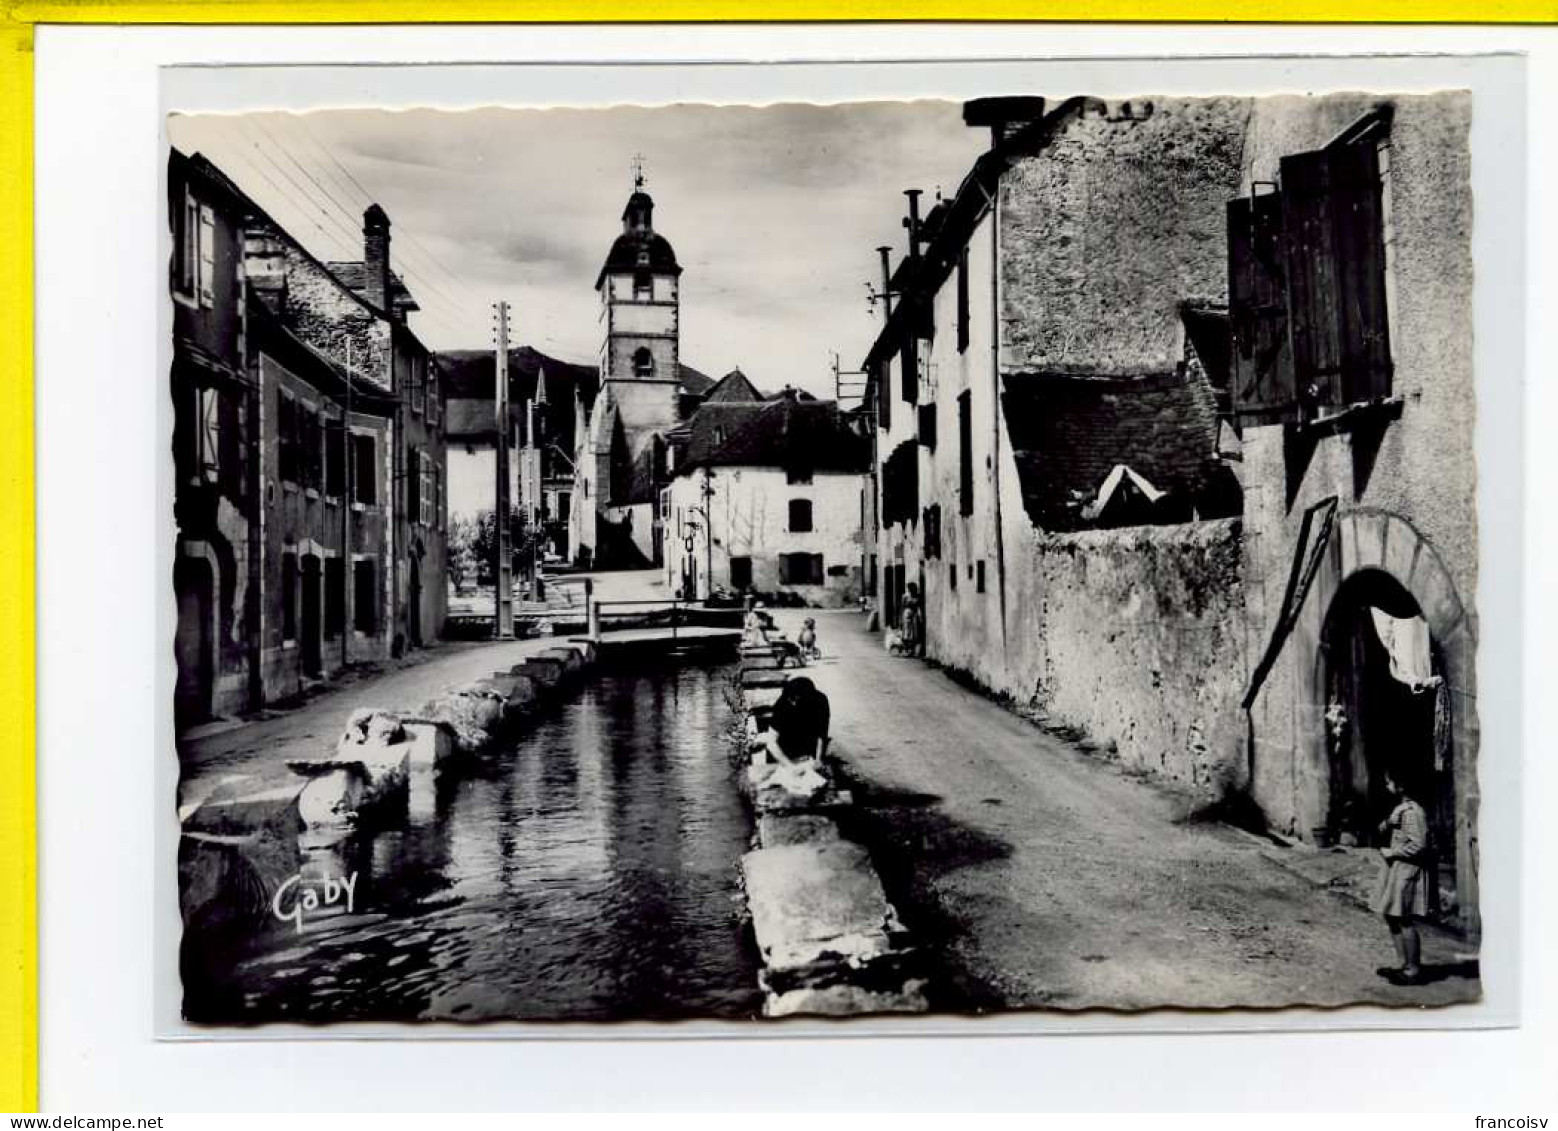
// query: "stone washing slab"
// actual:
[[777, 830], [847, 1001], [816, 903]]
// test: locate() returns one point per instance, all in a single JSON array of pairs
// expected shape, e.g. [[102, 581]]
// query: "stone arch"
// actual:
[[1371, 541]]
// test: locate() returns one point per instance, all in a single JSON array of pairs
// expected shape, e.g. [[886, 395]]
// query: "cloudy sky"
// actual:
[[774, 213]]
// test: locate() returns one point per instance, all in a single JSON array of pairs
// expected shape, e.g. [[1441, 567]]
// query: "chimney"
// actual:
[[376, 259], [912, 221], [1003, 116]]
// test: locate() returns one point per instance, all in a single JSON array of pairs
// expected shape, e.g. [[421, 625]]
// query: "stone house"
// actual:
[[767, 496], [329, 446], [1171, 460]]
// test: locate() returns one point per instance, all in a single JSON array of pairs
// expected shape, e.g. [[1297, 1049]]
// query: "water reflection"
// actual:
[[589, 874]]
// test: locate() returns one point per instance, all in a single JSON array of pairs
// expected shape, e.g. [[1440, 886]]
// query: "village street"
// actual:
[[1043, 876]]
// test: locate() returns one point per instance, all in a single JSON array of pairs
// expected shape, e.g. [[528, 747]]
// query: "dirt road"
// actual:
[[1045, 876]]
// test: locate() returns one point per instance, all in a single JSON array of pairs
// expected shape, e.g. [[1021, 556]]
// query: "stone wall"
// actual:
[[1114, 223], [1135, 637]]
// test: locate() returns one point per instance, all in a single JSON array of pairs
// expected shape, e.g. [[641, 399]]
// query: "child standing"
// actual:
[[808, 640], [1403, 892]]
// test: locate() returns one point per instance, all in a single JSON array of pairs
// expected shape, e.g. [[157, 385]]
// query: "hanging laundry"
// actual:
[[1406, 640], [1117, 478]]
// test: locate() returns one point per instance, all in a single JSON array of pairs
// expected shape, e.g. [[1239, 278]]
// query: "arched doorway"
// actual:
[[1387, 710]]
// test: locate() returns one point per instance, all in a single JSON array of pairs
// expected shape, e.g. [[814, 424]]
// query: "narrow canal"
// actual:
[[589, 872]]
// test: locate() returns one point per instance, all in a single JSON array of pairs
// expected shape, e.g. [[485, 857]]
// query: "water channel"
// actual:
[[588, 872]]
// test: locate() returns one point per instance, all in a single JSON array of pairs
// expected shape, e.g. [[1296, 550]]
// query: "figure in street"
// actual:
[[1403, 892], [807, 639], [911, 627]]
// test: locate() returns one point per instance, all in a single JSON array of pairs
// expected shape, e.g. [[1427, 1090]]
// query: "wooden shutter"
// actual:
[[965, 454], [1262, 388], [210, 435], [963, 300], [1334, 244], [207, 254]]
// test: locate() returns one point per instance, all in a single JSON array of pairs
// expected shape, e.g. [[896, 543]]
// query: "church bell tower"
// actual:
[[640, 294]]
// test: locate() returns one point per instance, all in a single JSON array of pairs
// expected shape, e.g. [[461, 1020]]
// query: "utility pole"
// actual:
[[503, 564], [708, 530], [346, 513]]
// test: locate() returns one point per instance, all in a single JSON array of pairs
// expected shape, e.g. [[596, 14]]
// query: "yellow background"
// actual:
[[18, 810]]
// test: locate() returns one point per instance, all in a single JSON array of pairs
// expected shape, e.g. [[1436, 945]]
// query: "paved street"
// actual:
[[1045, 877]]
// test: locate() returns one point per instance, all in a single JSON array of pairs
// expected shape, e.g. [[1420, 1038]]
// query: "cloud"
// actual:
[[774, 212]]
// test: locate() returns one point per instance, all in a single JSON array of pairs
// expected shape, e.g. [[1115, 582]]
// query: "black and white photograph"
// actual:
[[939, 557]]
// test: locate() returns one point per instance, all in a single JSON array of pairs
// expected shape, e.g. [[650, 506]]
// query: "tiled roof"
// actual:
[[1069, 432], [353, 275], [734, 386], [784, 432]]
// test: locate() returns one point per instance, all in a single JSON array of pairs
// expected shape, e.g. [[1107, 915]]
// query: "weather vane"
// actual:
[[638, 170]]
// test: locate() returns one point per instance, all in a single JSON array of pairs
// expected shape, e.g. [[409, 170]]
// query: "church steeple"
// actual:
[[639, 286]]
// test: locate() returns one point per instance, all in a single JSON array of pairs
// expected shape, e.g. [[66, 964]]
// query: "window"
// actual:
[[429, 491], [909, 369], [289, 597], [884, 396], [365, 598], [1309, 305], [643, 286], [335, 459], [800, 475], [414, 484], [416, 386], [800, 516], [979, 576], [286, 437], [207, 277], [965, 453], [643, 363], [311, 446], [963, 301], [740, 573], [901, 484], [186, 247], [800, 569], [209, 443], [952, 576], [932, 531], [927, 426], [365, 478], [433, 410], [335, 596]]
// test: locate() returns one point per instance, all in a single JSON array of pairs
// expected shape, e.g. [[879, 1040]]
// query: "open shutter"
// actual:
[[1262, 387], [1336, 263], [207, 255], [1358, 215], [210, 434]]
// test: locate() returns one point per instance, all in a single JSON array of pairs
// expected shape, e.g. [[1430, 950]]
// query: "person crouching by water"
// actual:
[[799, 723], [1403, 892]]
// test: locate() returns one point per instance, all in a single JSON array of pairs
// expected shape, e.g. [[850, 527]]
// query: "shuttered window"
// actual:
[[963, 300], [909, 369], [1261, 368], [1334, 229], [1308, 310], [286, 438], [800, 569], [927, 429], [965, 454], [207, 255], [884, 397]]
